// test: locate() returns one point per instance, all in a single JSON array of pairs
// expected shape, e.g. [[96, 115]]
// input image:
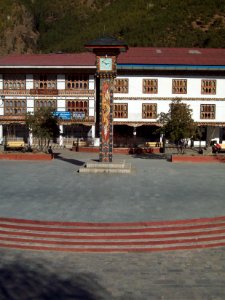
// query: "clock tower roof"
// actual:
[[107, 42]]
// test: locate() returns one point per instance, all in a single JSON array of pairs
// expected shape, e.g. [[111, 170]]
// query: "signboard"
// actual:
[[79, 115], [64, 115]]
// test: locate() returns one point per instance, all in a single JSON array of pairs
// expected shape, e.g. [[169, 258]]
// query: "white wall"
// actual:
[[29, 81], [91, 108], [135, 96], [91, 82], [165, 87], [1, 81], [166, 95], [61, 82], [30, 104], [61, 104]]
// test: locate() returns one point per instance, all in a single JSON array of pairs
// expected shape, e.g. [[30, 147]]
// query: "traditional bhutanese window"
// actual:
[[77, 105], [207, 111], [45, 81], [150, 86], [14, 82], [77, 81], [179, 86], [208, 87], [120, 110], [149, 111], [45, 103], [121, 85], [15, 107]]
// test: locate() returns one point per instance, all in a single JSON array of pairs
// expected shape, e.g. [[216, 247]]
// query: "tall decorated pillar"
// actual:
[[106, 50]]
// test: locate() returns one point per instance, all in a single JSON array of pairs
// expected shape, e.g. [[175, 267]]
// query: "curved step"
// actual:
[[112, 237]]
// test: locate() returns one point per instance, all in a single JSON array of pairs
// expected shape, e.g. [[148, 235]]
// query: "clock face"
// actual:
[[105, 64]]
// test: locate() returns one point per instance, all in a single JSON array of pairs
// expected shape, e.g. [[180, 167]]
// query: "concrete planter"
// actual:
[[25, 156], [198, 158]]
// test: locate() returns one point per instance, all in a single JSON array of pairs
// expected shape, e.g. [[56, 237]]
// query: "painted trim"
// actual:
[[47, 67], [167, 67]]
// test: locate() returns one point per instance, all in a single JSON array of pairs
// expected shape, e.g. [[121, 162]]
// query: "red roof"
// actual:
[[137, 55], [61, 59], [172, 56]]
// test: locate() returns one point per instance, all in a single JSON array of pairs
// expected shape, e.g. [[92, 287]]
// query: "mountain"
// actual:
[[44, 26]]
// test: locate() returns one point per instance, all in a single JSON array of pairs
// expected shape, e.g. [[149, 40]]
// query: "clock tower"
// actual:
[[106, 50]]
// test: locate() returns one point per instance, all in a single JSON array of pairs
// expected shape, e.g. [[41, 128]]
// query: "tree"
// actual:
[[177, 124], [43, 125]]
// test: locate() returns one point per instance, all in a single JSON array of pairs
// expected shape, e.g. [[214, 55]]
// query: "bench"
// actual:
[[153, 144], [16, 145]]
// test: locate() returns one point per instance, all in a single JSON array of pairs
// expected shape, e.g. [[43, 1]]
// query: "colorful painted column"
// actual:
[[106, 120]]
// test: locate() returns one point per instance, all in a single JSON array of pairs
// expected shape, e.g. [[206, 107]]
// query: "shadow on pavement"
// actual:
[[150, 156], [69, 160], [23, 282]]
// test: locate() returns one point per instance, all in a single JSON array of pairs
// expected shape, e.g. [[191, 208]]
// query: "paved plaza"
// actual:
[[155, 190]]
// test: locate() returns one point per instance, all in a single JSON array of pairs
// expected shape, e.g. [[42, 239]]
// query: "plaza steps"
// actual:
[[112, 237], [115, 167]]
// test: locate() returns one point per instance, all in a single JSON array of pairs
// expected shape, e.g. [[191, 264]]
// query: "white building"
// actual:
[[148, 79]]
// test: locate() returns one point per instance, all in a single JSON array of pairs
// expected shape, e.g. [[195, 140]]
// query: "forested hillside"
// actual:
[[65, 26]]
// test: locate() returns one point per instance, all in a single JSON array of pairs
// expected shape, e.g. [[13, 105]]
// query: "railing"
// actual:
[[76, 92], [14, 92], [47, 92]]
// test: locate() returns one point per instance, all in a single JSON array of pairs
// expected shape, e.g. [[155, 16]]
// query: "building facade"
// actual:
[[148, 79]]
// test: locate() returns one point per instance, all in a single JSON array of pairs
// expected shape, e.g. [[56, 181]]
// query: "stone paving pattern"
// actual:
[[156, 190], [180, 275]]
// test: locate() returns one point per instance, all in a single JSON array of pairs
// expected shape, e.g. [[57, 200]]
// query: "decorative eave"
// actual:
[[137, 123], [169, 67], [89, 121], [47, 67], [151, 97], [154, 123], [220, 124], [12, 119]]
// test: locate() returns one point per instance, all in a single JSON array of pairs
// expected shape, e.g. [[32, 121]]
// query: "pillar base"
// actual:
[[117, 167]]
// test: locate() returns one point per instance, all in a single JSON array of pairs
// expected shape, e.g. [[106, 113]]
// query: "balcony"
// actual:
[[76, 92], [14, 92], [47, 92]]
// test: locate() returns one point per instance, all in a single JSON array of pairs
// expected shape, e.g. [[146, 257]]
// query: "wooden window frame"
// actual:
[[45, 81], [179, 86], [149, 114], [208, 87], [14, 82], [14, 107], [77, 82], [121, 85], [38, 103], [150, 86], [119, 112], [78, 105], [208, 111]]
